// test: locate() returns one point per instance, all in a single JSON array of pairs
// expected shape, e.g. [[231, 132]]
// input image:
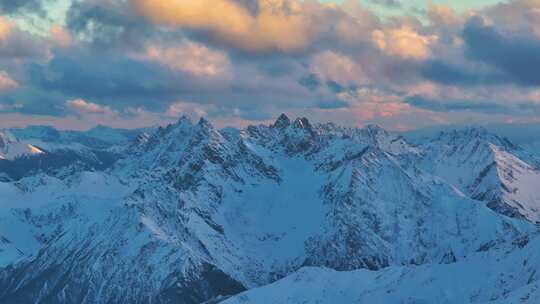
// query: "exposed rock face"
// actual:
[[282, 122]]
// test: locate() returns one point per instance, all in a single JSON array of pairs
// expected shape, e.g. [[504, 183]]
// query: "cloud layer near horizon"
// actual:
[[136, 62]]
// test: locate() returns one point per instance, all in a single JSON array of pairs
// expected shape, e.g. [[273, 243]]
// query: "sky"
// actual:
[[75, 64]]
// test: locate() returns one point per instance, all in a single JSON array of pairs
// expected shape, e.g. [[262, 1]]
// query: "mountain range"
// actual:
[[291, 212]]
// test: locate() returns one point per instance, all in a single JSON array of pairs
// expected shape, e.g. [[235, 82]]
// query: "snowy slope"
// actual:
[[11, 147], [506, 275], [37, 208], [510, 185], [486, 167]]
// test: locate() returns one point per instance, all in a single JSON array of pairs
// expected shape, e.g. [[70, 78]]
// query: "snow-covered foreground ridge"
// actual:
[[292, 212], [504, 275]]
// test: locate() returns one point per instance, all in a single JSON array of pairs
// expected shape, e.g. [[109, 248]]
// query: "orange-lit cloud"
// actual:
[[404, 42], [6, 28], [283, 25], [441, 13], [60, 36], [190, 57], [6, 82], [82, 106], [223, 16], [392, 109], [337, 67], [246, 60]]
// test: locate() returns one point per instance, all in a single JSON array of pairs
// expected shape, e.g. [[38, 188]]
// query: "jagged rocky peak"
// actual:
[[475, 130], [374, 131], [377, 136], [470, 132], [207, 131], [302, 123], [183, 121], [142, 139], [166, 135], [204, 123], [183, 124], [475, 134], [299, 136], [282, 122], [374, 128]]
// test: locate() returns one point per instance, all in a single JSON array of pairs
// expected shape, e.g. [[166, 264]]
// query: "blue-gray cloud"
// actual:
[[13, 6], [457, 105], [108, 26], [30, 100], [388, 3], [444, 73], [516, 56], [310, 82], [333, 104], [117, 80]]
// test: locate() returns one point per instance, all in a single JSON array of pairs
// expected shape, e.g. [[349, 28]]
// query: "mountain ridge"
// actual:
[[187, 213]]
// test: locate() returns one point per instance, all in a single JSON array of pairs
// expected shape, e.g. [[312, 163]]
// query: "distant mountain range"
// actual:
[[292, 212]]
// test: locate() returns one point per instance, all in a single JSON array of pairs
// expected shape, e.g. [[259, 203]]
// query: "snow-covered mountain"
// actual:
[[27, 151], [488, 168], [189, 214], [11, 147], [506, 275], [99, 137]]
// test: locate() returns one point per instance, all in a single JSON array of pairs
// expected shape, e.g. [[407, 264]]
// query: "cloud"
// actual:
[[225, 17], [82, 106], [12, 6], [108, 25], [112, 79], [192, 110], [512, 55], [248, 60], [16, 44], [444, 73], [124, 81], [518, 16], [333, 104], [272, 28], [311, 81], [61, 36], [6, 82], [443, 14], [388, 3], [6, 28], [190, 57], [334, 66], [274, 25], [10, 107], [404, 42], [457, 105]]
